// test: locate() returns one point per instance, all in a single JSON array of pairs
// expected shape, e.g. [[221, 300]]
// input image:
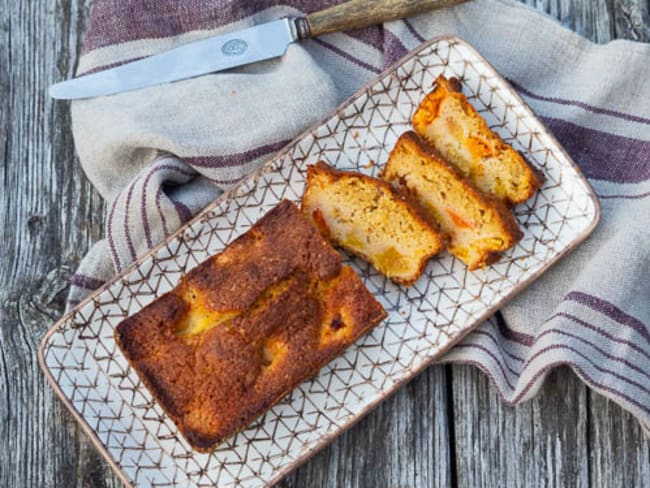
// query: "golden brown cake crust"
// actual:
[[246, 326], [399, 197], [478, 140], [486, 199], [420, 213], [506, 219]]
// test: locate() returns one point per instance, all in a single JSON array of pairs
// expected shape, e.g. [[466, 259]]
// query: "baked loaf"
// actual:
[[447, 121], [479, 226], [367, 217], [246, 326]]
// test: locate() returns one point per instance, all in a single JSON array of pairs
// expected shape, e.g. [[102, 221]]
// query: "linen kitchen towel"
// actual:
[[161, 154]]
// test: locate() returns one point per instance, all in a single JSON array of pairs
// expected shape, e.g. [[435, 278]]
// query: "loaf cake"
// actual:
[[367, 217], [479, 226], [246, 326], [447, 121]]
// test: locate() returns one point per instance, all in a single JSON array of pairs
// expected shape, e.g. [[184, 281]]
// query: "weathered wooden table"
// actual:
[[447, 427]]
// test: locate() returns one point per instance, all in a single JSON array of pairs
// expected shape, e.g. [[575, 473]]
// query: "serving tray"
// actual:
[[86, 368]]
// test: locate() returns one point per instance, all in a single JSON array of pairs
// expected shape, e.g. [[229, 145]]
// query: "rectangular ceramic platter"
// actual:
[[85, 366]]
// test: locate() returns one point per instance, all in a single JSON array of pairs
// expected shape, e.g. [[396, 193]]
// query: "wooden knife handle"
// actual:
[[356, 14]]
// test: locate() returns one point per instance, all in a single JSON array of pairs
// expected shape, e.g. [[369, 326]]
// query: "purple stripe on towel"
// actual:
[[543, 371], [161, 213], [501, 365], [513, 335], [372, 36], [166, 167], [225, 183], [528, 340], [145, 217], [609, 389], [498, 344], [597, 348], [498, 349], [602, 369], [611, 310], [548, 367], [127, 231], [602, 155], [347, 55], [412, 30], [629, 197], [487, 372], [118, 21], [183, 212], [235, 159], [143, 206], [601, 332], [393, 49], [576, 103], [86, 282], [556, 346], [109, 235], [110, 65]]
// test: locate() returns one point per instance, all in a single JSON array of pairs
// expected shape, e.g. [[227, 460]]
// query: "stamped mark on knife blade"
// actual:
[[234, 47]]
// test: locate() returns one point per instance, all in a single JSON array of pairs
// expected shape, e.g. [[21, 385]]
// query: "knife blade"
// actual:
[[246, 46], [217, 53]]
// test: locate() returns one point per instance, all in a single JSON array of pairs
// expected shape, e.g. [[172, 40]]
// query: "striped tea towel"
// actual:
[[160, 155]]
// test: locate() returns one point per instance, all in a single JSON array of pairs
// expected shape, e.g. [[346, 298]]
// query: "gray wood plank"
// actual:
[[48, 217], [631, 19], [542, 442], [620, 452], [403, 443]]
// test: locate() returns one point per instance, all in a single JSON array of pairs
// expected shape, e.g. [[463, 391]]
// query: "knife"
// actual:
[[258, 43]]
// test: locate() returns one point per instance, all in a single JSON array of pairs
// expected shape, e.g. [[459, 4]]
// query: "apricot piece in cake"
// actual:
[[447, 121], [479, 226], [367, 217]]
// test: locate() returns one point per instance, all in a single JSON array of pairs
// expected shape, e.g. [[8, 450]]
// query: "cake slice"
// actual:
[[368, 218], [479, 226], [246, 326], [447, 121]]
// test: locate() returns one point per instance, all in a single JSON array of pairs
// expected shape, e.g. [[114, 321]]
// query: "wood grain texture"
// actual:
[[403, 443], [356, 14], [49, 216], [447, 427], [601, 20], [542, 442]]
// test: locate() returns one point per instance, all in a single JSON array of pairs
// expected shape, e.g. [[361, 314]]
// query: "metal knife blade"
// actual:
[[264, 41]]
